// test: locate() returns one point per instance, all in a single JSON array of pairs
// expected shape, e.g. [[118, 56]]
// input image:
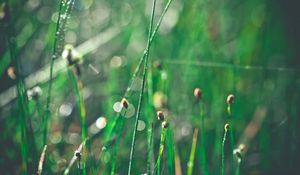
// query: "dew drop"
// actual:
[[130, 111], [116, 62], [117, 107], [65, 109], [101, 122], [136, 84], [141, 125]]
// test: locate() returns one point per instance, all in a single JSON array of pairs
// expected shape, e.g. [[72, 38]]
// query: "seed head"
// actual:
[[230, 99], [71, 55], [242, 147], [238, 152], [160, 115], [198, 93], [77, 154], [34, 93], [124, 103], [226, 127], [165, 124]]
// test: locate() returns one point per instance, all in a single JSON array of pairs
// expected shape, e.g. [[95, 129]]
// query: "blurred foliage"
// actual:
[[223, 47]]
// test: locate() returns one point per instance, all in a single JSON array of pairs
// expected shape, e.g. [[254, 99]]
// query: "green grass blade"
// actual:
[[223, 150], [231, 135], [170, 151], [192, 154], [142, 89], [203, 145], [161, 150], [58, 31], [150, 148], [77, 86]]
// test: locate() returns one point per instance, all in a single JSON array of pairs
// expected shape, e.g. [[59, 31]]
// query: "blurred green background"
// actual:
[[247, 48]]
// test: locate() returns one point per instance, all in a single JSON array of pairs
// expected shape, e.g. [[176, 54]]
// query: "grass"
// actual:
[[192, 154], [65, 8], [142, 89], [226, 128], [73, 128]]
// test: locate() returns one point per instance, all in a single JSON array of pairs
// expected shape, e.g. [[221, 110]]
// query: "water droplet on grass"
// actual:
[[130, 111], [116, 62], [65, 109], [101, 122], [136, 84], [141, 125], [117, 107]]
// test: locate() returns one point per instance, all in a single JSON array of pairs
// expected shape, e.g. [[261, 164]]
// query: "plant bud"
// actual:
[[226, 127], [77, 154], [230, 99], [198, 93], [165, 124], [124, 103], [160, 115]]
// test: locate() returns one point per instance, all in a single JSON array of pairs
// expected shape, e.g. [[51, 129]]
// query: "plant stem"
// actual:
[[149, 143], [192, 154], [22, 97], [203, 145], [146, 50], [170, 151], [223, 153], [114, 159], [161, 149], [238, 167], [142, 89], [41, 162], [231, 134], [77, 84], [54, 56]]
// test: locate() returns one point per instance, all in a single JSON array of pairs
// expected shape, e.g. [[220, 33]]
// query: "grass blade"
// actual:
[[142, 89], [203, 145], [226, 127], [170, 151], [161, 150], [192, 154], [41, 162], [77, 84], [58, 33]]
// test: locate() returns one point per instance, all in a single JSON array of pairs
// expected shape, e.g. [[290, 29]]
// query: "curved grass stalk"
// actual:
[[192, 154], [223, 151], [142, 89]]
